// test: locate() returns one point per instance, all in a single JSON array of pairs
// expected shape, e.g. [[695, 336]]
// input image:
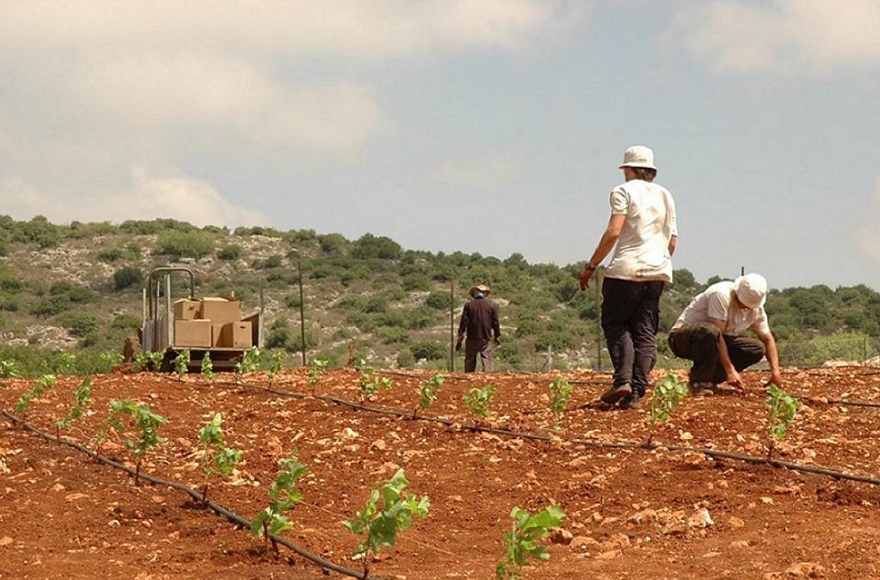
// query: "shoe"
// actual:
[[634, 401], [702, 389], [614, 394]]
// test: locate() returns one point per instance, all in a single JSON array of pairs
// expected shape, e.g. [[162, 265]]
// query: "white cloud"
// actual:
[[147, 197], [744, 36], [349, 28], [483, 173]]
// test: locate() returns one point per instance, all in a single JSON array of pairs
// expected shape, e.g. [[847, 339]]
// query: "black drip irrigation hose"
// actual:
[[195, 495], [647, 445]]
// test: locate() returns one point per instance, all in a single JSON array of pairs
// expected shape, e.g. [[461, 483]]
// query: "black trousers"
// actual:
[[630, 316], [699, 343]]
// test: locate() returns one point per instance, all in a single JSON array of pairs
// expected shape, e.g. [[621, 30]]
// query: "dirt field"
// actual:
[[630, 513]]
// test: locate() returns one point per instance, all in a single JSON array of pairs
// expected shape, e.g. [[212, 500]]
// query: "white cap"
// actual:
[[751, 290], [638, 156]]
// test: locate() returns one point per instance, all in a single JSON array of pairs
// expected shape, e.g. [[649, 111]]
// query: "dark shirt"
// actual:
[[478, 319]]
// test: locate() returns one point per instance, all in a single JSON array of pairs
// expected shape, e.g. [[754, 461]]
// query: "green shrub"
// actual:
[[125, 322], [392, 334], [126, 277], [405, 358], [9, 303], [75, 293], [50, 306], [438, 300], [192, 244], [79, 323], [428, 349], [229, 252]]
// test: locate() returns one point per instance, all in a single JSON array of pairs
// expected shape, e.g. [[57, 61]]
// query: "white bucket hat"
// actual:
[[751, 290], [638, 156]]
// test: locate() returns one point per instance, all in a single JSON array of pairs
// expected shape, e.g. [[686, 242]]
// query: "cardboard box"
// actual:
[[217, 334], [220, 310], [186, 309], [193, 333], [236, 335]]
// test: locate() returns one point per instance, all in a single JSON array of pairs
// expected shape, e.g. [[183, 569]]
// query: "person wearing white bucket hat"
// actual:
[[642, 231], [708, 333]]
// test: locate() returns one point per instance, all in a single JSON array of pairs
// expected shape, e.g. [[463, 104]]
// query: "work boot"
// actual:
[[614, 394], [702, 389], [634, 401]]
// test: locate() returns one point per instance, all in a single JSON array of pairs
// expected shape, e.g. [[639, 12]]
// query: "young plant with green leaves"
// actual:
[[783, 408], [428, 392], [109, 360], [38, 388], [479, 400], [217, 457], [561, 390], [207, 369], [668, 393], [128, 417], [8, 370], [250, 362], [284, 494], [369, 384], [317, 368], [522, 541], [181, 362], [274, 362], [66, 362], [146, 360], [388, 511], [83, 399]]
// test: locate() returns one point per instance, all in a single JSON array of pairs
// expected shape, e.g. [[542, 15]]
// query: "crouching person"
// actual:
[[708, 333]]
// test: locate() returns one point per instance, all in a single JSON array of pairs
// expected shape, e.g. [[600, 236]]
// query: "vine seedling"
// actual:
[[217, 457], [318, 367], [668, 393], [561, 390], [369, 383], [388, 511], [249, 362], [521, 541], [274, 363], [479, 400], [207, 369], [39, 387], [143, 423], [783, 408], [181, 362], [428, 392], [147, 360], [284, 495], [83, 400], [7, 371]]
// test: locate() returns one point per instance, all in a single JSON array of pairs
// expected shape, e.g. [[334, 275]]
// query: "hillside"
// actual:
[[78, 288]]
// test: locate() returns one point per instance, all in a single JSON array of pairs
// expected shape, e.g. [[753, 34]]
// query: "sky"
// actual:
[[490, 126]]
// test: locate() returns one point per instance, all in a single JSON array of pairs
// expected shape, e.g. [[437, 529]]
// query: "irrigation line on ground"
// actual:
[[195, 495], [586, 442]]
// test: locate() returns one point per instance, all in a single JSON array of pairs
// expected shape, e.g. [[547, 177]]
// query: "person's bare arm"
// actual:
[[772, 354], [733, 377], [672, 242], [606, 243]]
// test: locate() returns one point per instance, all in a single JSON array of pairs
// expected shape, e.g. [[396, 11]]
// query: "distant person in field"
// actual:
[[643, 234], [708, 333], [479, 320]]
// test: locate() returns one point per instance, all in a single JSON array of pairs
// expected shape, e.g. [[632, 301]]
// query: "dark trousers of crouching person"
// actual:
[[474, 347], [699, 343], [630, 316]]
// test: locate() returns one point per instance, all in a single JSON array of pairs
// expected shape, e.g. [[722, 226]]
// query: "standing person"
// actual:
[[643, 234], [479, 320], [708, 333]]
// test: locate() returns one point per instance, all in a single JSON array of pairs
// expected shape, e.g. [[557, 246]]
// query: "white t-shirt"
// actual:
[[717, 301], [642, 250]]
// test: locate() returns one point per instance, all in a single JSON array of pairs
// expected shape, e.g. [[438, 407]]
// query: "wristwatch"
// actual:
[[589, 266]]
